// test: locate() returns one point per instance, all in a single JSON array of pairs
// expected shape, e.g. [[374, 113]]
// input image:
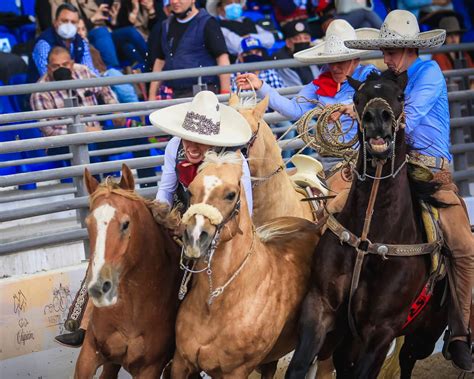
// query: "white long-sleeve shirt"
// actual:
[[169, 179]]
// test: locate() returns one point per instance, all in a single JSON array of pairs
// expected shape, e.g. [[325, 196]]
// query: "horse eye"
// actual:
[[124, 226], [401, 97], [230, 196]]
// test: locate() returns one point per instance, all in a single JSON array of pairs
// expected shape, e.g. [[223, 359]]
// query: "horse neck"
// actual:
[[265, 158], [265, 154], [394, 217]]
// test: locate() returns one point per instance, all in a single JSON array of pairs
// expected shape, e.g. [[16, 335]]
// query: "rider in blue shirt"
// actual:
[[427, 127]]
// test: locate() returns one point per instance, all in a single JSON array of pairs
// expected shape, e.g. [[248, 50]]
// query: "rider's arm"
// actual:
[[169, 180], [291, 108], [422, 94]]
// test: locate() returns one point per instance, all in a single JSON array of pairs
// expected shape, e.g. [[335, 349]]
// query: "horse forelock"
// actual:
[[162, 213], [213, 158]]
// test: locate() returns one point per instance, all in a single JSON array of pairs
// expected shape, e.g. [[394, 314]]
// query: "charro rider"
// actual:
[[427, 127], [330, 87], [197, 126]]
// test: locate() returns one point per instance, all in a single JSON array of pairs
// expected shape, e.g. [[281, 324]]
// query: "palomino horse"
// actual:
[[357, 317], [133, 283], [241, 311], [275, 195]]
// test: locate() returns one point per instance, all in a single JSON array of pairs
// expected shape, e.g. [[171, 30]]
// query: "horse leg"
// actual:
[[88, 360], [372, 355], [268, 369], [325, 369], [149, 372], [315, 321], [110, 371], [180, 368]]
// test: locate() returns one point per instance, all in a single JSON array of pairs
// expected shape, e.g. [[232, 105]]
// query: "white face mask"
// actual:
[[67, 30]]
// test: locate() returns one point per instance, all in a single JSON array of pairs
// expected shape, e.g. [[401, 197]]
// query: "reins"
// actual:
[[362, 244], [213, 293]]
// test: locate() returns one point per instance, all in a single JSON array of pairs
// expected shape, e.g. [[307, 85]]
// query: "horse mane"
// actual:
[[424, 191], [283, 229], [227, 157], [161, 212]]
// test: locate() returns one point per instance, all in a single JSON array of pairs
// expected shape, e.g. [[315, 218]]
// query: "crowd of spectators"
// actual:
[[49, 40]]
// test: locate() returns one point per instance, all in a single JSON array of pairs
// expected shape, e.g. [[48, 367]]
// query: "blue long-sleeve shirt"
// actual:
[[297, 106], [427, 109], [41, 52]]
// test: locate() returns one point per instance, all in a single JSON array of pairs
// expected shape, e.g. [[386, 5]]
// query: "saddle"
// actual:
[[306, 181]]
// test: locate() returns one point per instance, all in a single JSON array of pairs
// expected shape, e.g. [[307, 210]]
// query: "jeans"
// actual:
[[362, 18], [130, 45], [102, 40]]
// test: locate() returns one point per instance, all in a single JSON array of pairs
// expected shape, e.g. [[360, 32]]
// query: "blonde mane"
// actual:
[[227, 157], [161, 212], [280, 227]]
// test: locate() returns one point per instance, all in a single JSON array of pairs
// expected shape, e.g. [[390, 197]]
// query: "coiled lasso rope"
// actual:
[[325, 136]]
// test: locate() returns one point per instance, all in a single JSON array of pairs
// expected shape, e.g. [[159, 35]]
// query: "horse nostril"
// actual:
[[106, 287], [204, 236]]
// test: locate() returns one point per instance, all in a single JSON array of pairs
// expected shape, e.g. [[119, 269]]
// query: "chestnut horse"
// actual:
[[241, 311], [356, 318], [133, 283]]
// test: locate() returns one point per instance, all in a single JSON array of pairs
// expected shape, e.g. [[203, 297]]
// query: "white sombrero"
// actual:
[[204, 120], [399, 30], [332, 48], [211, 6]]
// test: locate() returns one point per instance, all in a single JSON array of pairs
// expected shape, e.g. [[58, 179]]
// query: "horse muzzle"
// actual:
[[103, 292], [197, 241]]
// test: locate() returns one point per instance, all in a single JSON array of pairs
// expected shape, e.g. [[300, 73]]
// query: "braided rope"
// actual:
[[325, 136]]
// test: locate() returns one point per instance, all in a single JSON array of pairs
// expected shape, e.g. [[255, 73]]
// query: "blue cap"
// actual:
[[251, 43]]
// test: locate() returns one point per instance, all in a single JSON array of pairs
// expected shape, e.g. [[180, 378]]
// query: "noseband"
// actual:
[[215, 218]]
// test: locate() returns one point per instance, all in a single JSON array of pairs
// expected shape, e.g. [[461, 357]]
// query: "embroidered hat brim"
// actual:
[[233, 128], [370, 40], [317, 54]]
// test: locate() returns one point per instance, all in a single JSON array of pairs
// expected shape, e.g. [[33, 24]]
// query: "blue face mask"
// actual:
[[233, 11]]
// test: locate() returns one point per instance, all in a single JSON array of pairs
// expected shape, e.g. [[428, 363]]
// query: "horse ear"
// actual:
[[233, 100], [126, 181], [90, 181], [402, 80], [261, 108], [354, 83]]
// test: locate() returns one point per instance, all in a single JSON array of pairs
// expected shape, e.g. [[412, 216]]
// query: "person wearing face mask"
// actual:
[[235, 27], [427, 128], [251, 51], [190, 37], [330, 87], [64, 34], [297, 38], [60, 67]]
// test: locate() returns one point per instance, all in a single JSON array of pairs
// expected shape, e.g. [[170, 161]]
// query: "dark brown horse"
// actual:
[[134, 282], [358, 329]]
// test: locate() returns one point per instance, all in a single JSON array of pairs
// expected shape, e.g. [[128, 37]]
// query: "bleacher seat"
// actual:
[[11, 6], [28, 7], [7, 41]]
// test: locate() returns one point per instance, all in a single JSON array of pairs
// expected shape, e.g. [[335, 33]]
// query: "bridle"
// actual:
[[207, 210], [397, 124]]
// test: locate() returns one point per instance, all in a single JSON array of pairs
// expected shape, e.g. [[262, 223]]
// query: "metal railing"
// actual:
[[78, 141]]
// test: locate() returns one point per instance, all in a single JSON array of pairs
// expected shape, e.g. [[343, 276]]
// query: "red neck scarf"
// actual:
[[327, 86], [186, 172]]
